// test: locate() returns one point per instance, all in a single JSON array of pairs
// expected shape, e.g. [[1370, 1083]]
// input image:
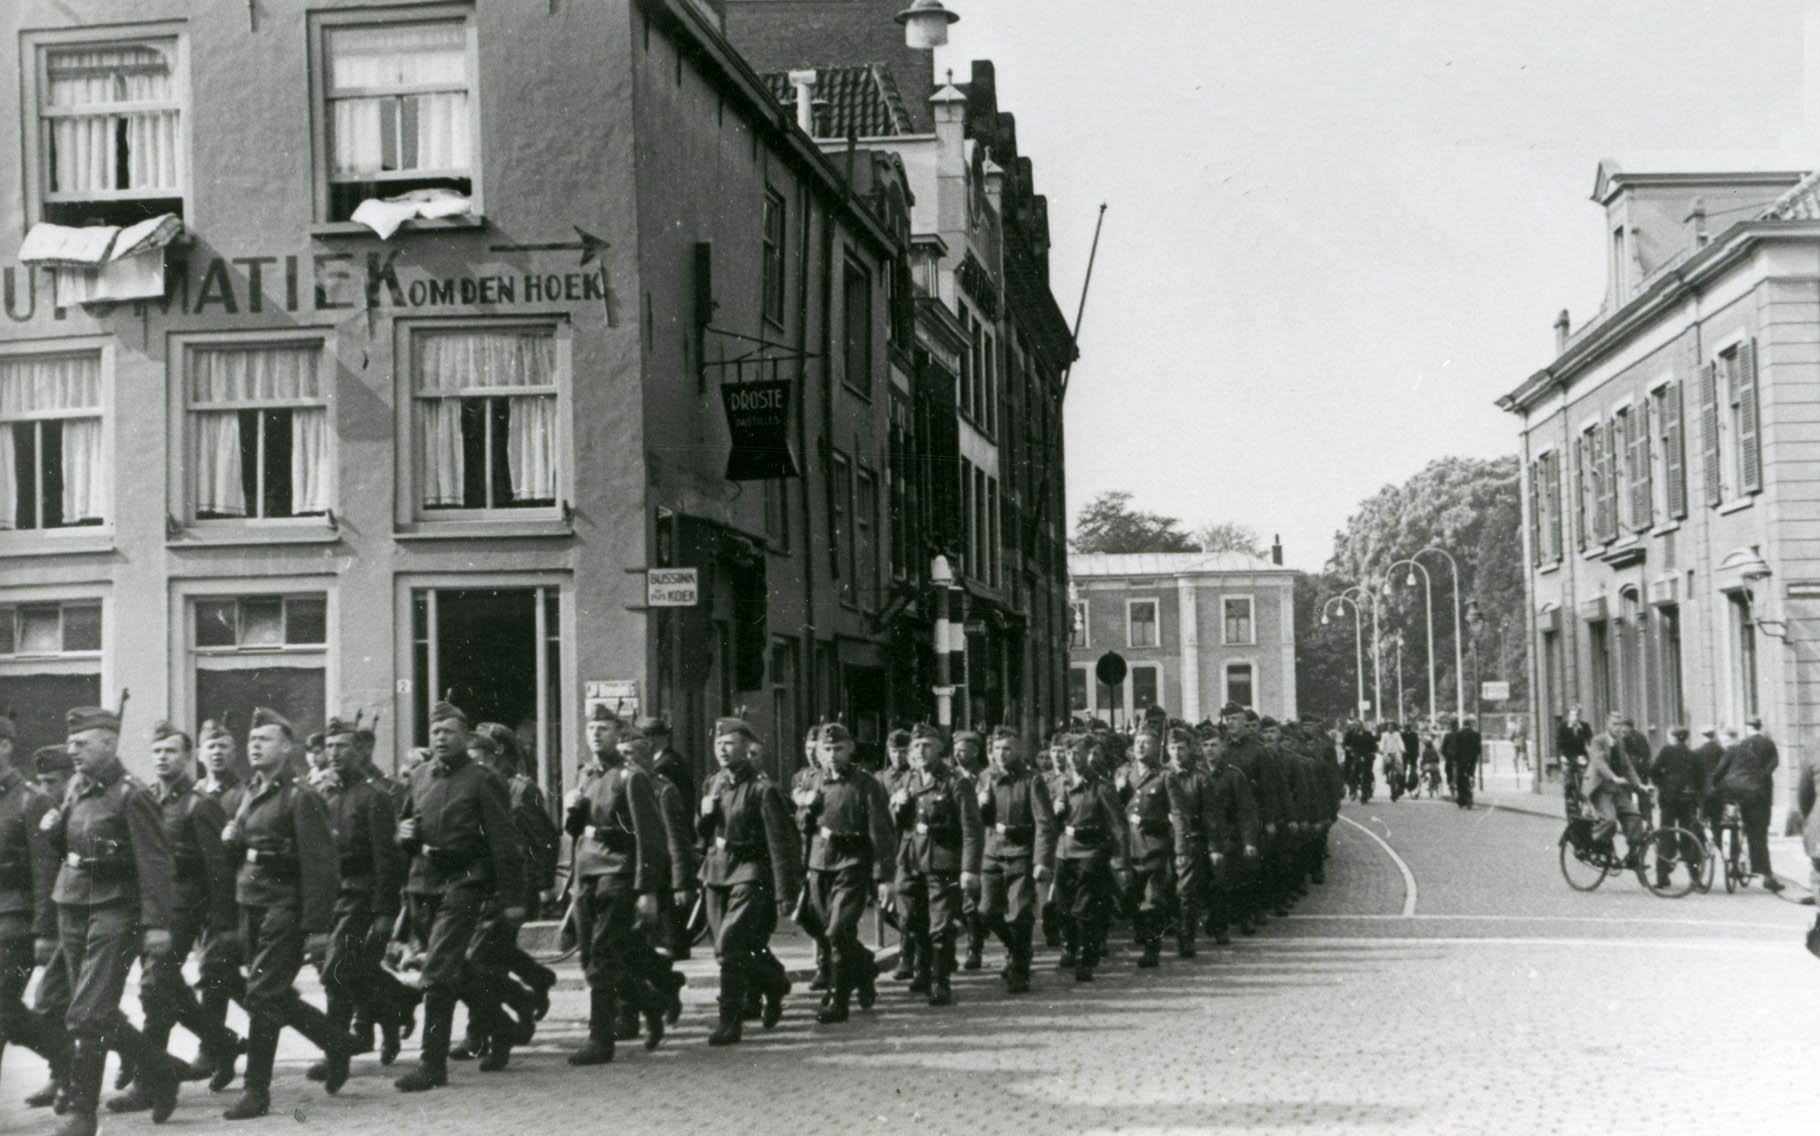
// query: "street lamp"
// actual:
[[1358, 644], [1459, 675], [1428, 594], [1476, 622], [926, 24], [1356, 592]]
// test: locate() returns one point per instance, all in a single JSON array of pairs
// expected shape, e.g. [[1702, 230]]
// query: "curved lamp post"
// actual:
[[1459, 672], [1428, 592], [1358, 643]]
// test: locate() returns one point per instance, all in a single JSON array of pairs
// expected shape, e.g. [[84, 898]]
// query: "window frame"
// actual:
[[1079, 612], [410, 513], [1130, 686], [840, 526], [1251, 620], [181, 501], [773, 257], [43, 540], [854, 269], [65, 663], [1156, 607], [35, 46], [865, 537], [322, 182], [1250, 667]]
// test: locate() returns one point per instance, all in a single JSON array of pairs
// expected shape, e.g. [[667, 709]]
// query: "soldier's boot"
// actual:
[[732, 1003], [976, 943], [940, 993], [497, 1026], [87, 1067], [433, 1063], [674, 981], [389, 1044], [1065, 960], [155, 1071], [906, 960], [338, 1046], [598, 1049], [522, 1002], [1017, 966], [341, 1011], [652, 1002], [538, 979], [261, 1050], [56, 1052], [625, 1020], [774, 981], [920, 982], [867, 989], [1184, 937], [834, 1005], [217, 1067]]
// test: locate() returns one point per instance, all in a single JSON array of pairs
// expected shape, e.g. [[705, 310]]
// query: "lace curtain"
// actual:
[[85, 155], [373, 131], [452, 365], [66, 389], [222, 383]]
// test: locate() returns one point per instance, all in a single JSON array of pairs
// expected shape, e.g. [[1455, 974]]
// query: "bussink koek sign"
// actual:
[[758, 418]]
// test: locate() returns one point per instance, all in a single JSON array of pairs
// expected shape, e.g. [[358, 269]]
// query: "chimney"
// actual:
[[804, 82], [1276, 549], [1696, 219], [1561, 326]]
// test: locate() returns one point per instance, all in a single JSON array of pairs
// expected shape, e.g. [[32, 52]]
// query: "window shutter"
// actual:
[[1536, 555], [1554, 506], [1612, 464], [1750, 433], [1709, 431], [1585, 492], [1626, 421], [1643, 514], [1674, 466]]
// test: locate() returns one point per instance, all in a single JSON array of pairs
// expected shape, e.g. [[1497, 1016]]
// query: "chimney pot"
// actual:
[[804, 82], [1561, 328], [1696, 218], [1276, 549]]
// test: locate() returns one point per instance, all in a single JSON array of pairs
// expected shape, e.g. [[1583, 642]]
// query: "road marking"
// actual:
[[1636, 920], [1409, 877], [1751, 945]]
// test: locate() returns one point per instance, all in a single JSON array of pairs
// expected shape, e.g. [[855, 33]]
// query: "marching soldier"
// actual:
[[1089, 858], [371, 867], [805, 800], [939, 863], [1018, 854], [221, 979], [1190, 802], [1150, 848], [50, 1006], [751, 872], [542, 844], [1232, 841], [970, 760], [850, 853], [203, 903], [1054, 772], [620, 866], [679, 842], [113, 896], [456, 825], [286, 891], [897, 774], [28, 917], [673, 767]]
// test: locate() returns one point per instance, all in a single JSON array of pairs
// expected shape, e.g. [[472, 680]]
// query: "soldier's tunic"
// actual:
[[28, 873], [620, 855], [1234, 825], [221, 978], [1192, 823], [1090, 849], [945, 841], [753, 857], [1150, 851], [852, 848], [202, 906], [372, 869], [1019, 823]]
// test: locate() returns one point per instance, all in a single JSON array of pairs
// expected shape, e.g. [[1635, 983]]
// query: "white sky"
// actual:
[[1338, 230]]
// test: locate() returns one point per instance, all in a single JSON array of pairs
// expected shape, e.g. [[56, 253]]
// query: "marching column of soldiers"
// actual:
[[1179, 828]]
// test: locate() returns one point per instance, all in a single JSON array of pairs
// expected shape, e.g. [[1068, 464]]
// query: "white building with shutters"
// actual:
[[1672, 458]]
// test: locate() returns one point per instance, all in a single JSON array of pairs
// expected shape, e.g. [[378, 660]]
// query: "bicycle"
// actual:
[[1728, 840], [1587, 858], [1431, 780]]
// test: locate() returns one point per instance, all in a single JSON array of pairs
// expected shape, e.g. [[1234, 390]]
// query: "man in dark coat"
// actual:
[[1746, 774], [1710, 752]]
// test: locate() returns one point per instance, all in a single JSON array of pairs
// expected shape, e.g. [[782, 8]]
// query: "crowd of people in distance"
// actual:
[[1413, 757]]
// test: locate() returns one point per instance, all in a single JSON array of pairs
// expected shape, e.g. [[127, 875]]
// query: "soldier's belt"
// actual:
[[278, 862], [612, 839], [847, 843], [938, 831], [1151, 827], [743, 849], [100, 866], [1084, 834], [1016, 833], [452, 857]]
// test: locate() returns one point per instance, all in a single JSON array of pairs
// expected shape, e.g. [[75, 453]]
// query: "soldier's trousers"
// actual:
[[741, 918], [929, 903], [1152, 889], [168, 1000], [616, 954], [1008, 905], [1084, 894], [18, 1024], [839, 898], [354, 978], [273, 938], [1225, 897], [1190, 890], [451, 920], [99, 944]]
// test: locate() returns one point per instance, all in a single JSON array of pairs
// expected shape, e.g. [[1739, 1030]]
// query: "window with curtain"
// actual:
[[1141, 623], [485, 418], [1236, 616], [259, 435], [111, 118], [398, 110], [52, 470]]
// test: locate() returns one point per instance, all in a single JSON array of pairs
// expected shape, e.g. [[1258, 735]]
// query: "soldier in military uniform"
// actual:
[[542, 844], [1054, 771], [1149, 842], [895, 776], [28, 917], [805, 801], [1018, 855], [203, 902], [939, 863], [1090, 863], [970, 760], [51, 1003], [457, 827], [1190, 800], [221, 980], [621, 864], [1232, 839], [371, 868], [113, 896], [673, 767], [752, 869], [286, 890], [850, 854], [661, 974]]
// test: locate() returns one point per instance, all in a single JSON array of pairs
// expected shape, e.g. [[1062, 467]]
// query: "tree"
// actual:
[[1108, 523], [1230, 536]]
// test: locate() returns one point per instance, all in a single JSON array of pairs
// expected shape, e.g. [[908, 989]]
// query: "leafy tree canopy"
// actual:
[[1108, 523]]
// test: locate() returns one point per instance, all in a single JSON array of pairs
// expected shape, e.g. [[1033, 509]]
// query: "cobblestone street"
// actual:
[[1502, 1002]]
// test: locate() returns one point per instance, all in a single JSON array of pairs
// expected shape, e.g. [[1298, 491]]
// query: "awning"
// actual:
[[103, 262]]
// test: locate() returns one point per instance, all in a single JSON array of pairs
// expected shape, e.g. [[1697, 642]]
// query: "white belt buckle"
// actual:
[[720, 842], [1135, 818], [592, 832], [74, 859], [1002, 829], [922, 828], [252, 856], [1068, 830], [827, 833]]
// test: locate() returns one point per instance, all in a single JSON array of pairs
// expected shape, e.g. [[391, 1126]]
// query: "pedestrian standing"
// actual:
[[1681, 788], [1412, 757], [1710, 753], [1746, 774], [1018, 855], [750, 875]]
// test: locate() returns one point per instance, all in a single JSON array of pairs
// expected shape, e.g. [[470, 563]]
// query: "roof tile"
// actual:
[[862, 100]]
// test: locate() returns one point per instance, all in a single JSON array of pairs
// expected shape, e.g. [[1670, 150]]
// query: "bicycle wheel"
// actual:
[[1672, 863], [1709, 866], [1734, 866], [1583, 865]]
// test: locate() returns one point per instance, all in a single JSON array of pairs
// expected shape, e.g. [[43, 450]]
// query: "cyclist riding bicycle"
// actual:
[[1610, 784]]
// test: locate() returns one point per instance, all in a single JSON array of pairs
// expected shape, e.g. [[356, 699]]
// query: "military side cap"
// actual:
[[483, 739], [162, 730], [52, 759], [213, 728], [1147, 727], [91, 718], [967, 736], [1180, 733], [898, 738], [266, 716], [836, 734], [924, 730], [725, 726], [652, 725], [339, 725], [448, 712], [631, 734], [315, 741], [1004, 734], [601, 712]]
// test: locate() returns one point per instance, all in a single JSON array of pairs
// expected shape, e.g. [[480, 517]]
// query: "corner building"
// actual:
[[268, 457]]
